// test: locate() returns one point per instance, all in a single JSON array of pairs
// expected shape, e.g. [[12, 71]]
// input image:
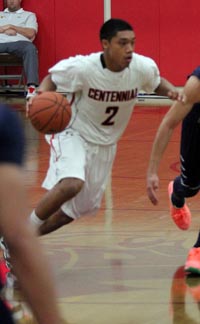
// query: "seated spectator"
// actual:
[[18, 29]]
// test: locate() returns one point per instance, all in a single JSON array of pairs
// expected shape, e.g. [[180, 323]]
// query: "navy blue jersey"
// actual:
[[11, 136], [11, 151]]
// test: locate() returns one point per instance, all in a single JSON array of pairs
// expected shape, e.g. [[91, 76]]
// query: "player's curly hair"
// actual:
[[110, 28]]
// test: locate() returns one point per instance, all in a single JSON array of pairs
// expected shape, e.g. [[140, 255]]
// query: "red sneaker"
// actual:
[[192, 263], [181, 216]]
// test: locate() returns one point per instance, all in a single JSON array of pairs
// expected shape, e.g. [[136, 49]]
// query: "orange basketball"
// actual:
[[49, 112]]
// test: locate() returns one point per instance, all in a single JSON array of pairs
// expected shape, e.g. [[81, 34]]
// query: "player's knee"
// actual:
[[70, 187]]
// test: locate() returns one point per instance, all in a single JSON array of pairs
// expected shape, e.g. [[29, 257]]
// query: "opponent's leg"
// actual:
[[188, 183]]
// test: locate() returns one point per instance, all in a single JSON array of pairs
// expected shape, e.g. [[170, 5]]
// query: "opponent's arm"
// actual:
[[166, 88], [179, 109]]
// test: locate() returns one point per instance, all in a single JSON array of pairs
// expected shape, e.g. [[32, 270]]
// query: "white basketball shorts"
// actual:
[[73, 157]]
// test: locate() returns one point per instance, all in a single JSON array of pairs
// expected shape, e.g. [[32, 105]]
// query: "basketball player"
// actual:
[[104, 88], [27, 260], [187, 184]]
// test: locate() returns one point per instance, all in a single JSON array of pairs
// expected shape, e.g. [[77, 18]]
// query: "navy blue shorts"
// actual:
[[190, 148]]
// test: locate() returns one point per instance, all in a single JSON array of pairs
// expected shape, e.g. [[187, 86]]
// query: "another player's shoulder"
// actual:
[[6, 113], [11, 136], [196, 72], [9, 120]]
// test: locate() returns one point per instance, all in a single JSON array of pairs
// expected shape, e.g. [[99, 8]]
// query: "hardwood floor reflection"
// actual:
[[125, 265]]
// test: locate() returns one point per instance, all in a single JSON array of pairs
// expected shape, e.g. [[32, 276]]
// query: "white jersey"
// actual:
[[104, 100]]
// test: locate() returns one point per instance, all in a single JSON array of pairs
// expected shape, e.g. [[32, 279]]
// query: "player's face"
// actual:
[[118, 51], [13, 5]]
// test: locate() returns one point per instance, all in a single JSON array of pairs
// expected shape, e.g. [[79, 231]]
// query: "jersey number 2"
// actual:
[[112, 112]]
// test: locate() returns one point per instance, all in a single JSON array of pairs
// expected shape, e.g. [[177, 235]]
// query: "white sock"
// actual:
[[35, 220]]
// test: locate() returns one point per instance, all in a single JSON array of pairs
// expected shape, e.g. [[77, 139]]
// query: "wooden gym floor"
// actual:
[[124, 266]]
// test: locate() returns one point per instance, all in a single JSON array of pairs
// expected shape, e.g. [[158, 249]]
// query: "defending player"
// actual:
[[25, 251]]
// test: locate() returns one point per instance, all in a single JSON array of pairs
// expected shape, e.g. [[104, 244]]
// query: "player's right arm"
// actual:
[[47, 84], [177, 112]]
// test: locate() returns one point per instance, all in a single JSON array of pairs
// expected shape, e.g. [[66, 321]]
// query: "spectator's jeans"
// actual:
[[28, 52]]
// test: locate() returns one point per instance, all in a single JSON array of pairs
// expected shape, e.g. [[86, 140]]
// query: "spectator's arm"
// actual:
[[29, 33]]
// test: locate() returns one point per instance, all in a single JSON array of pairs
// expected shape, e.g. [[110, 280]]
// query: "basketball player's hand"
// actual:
[[28, 104], [175, 95], [152, 187]]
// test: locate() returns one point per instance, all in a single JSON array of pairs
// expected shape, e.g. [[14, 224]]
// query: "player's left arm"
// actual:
[[178, 111], [167, 89]]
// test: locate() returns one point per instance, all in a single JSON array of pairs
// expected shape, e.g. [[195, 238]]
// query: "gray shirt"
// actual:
[[19, 18]]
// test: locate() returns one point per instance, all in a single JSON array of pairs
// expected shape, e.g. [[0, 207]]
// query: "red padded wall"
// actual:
[[179, 41], [77, 26], [144, 16], [166, 31]]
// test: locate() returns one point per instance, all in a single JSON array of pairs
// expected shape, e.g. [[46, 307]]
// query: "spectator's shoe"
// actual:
[[192, 264], [31, 92], [181, 216]]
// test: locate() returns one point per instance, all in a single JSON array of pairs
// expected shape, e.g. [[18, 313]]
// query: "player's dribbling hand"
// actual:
[[28, 103]]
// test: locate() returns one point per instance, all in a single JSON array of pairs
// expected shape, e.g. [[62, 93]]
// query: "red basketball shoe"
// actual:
[[181, 216]]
